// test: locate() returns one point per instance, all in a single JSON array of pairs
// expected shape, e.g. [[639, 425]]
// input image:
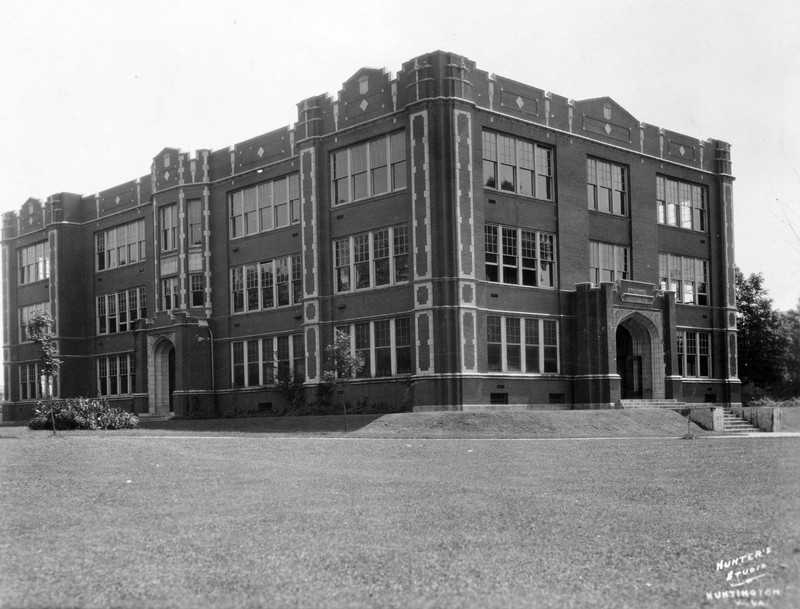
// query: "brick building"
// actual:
[[482, 241]]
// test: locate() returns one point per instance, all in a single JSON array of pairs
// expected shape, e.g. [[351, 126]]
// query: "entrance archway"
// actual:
[[164, 377], [640, 358]]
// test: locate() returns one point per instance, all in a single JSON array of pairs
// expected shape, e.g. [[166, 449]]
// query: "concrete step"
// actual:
[[148, 416], [737, 425]]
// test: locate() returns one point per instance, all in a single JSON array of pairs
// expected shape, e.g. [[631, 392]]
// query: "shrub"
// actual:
[[81, 413]]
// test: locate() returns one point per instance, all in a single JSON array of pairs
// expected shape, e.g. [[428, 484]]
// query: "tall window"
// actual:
[[369, 169], [606, 187], [526, 345], [168, 227], [371, 259], [519, 256], [116, 375], [266, 285], [28, 311], [30, 382], [517, 166], [681, 204], [34, 262], [117, 312], [694, 354], [259, 362], [265, 206], [608, 262], [385, 346], [687, 277], [197, 287], [120, 245], [170, 293], [195, 207]]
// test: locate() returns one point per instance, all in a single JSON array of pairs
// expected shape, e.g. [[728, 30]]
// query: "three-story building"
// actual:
[[482, 242]]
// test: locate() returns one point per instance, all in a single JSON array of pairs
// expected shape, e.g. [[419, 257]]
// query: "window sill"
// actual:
[[609, 214], [270, 231], [507, 193], [380, 197], [682, 229], [372, 289], [279, 308]]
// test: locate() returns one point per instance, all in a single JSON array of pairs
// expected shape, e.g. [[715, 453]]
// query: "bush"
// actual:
[[81, 413]]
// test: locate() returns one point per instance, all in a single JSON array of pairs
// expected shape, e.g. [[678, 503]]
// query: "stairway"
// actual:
[[733, 424]]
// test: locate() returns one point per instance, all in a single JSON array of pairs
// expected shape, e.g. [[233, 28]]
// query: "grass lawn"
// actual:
[[256, 520], [790, 419]]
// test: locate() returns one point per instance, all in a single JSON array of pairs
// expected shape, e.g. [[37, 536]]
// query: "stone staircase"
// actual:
[[737, 425]]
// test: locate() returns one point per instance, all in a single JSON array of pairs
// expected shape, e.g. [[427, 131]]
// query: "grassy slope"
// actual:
[[533, 424], [258, 521]]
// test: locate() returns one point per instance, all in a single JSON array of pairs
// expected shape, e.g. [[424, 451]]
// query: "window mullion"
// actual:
[[368, 163], [372, 350], [352, 244], [503, 345], [371, 252], [393, 347], [391, 261]]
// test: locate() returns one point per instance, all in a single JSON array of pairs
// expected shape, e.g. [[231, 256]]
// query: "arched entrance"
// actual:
[[164, 377], [640, 358]]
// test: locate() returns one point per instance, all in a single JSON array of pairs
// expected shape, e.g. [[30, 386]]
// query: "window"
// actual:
[[519, 257], [268, 284], [385, 346], [681, 204], [260, 362], [30, 382], [170, 293], [694, 354], [371, 259], [517, 166], [606, 187], [117, 312], [515, 344], [28, 311], [369, 169], [115, 375], [265, 206], [120, 245], [608, 262], [687, 277], [195, 222], [168, 225], [197, 287], [34, 263]]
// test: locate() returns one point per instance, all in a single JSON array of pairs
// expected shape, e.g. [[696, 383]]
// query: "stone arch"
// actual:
[[162, 376], [640, 356]]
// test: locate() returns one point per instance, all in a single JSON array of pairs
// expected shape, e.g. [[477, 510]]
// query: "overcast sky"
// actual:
[[90, 91]]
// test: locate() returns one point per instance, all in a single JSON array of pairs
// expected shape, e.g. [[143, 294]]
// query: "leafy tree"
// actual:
[[791, 322], [342, 363], [763, 340], [39, 329]]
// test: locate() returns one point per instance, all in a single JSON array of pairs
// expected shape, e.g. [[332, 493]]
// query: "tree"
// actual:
[[39, 328], [791, 322], [342, 363], [764, 344]]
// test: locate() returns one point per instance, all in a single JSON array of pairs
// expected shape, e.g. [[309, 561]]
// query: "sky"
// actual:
[[91, 91]]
